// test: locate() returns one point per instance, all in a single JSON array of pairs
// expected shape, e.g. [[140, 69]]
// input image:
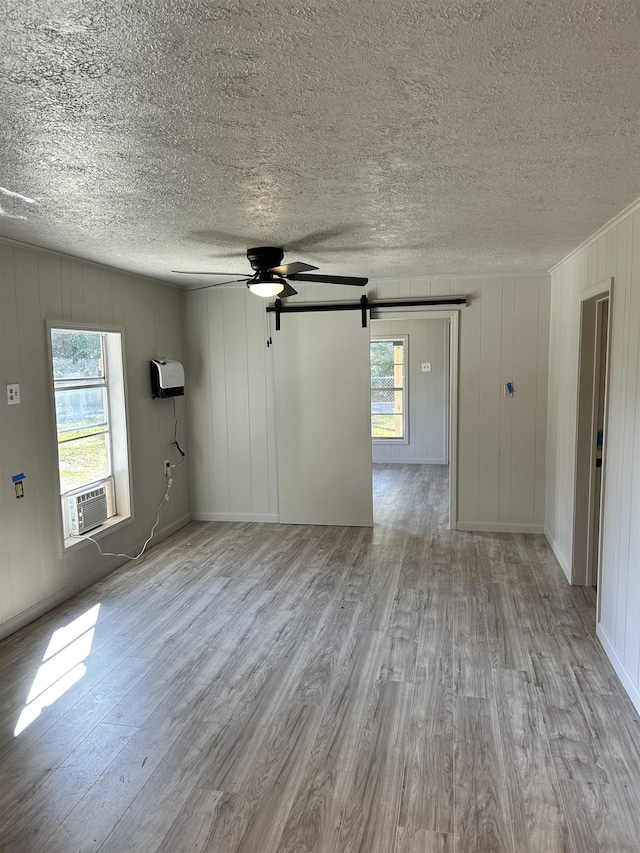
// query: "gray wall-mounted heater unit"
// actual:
[[167, 377]]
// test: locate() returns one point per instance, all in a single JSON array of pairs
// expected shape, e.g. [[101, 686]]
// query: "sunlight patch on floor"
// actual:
[[62, 666]]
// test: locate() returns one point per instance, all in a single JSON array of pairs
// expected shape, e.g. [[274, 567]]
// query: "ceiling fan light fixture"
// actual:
[[266, 284]]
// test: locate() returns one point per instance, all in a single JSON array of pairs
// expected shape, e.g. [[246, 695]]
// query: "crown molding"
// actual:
[[628, 211]]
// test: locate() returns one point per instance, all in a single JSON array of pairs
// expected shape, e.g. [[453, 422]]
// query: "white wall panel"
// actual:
[[613, 253], [503, 335], [36, 286], [428, 392]]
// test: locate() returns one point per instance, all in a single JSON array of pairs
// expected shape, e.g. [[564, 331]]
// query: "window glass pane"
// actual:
[[382, 400], [387, 388], [80, 410], [383, 426], [83, 461], [381, 362], [77, 354]]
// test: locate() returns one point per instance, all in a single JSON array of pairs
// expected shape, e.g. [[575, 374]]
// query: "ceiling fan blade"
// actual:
[[290, 269], [332, 279], [288, 291], [219, 284], [204, 272]]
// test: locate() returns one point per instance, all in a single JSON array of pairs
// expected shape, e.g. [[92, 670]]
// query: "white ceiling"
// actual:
[[372, 138]]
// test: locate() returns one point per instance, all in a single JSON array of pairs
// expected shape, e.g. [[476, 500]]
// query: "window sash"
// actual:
[[397, 416], [87, 429]]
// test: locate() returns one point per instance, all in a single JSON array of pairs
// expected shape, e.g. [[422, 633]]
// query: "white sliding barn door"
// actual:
[[322, 381]]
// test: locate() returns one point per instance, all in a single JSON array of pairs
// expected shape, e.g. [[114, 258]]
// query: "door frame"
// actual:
[[453, 315], [583, 572]]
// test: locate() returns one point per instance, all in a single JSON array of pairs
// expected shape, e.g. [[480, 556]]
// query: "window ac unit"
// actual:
[[89, 507]]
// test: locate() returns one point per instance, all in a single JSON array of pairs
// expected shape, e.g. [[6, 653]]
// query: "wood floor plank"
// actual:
[[617, 734], [437, 622], [197, 823], [268, 793], [427, 801], [537, 811], [150, 815], [422, 841], [91, 821], [602, 817], [473, 672], [316, 813], [483, 818], [504, 630], [576, 752], [42, 810], [370, 814], [401, 647]]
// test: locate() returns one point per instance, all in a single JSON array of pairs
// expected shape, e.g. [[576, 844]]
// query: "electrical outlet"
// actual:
[[167, 468], [426, 367], [13, 394]]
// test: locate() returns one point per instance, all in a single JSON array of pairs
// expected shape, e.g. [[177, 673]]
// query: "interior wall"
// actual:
[[501, 442], [615, 252], [36, 286], [427, 398]]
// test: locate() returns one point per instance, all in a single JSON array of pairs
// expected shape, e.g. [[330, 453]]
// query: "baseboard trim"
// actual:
[[560, 557], [270, 518], [621, 671], [498, 527], [61, 595]]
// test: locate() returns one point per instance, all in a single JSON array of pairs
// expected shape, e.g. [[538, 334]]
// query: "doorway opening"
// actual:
[[414, 417], [591, 435]]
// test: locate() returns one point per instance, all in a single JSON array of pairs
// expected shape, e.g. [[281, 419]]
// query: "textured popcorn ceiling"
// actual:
[[373, 138]]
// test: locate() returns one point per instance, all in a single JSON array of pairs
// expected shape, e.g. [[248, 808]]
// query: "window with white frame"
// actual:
[[91, 433], [389, 388]]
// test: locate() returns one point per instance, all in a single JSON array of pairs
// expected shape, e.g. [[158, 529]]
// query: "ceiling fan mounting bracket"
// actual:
[[265, 257]]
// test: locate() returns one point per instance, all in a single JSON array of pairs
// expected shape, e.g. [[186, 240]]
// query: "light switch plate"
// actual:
[[13, 394], [426, 367]]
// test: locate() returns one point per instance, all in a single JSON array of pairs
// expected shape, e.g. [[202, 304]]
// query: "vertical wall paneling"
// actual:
[[10, 421], [614, 253], [256, 345], [27, 552], [542, 371], [238, 425], [222, 375], [631, 639], [506, 403], [523, 426], [469, 437], [194, 379], [36, 286], [490, 402]]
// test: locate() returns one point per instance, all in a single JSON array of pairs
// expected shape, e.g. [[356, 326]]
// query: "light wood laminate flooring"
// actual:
[[263, 688]]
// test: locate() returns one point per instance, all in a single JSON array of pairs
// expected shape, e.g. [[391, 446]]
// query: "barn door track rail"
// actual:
[[279, 308]]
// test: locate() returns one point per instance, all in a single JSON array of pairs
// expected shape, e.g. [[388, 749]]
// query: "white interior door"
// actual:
[[322, 379]]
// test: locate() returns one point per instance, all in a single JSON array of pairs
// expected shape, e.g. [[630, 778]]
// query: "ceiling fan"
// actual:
[[270, 276]]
